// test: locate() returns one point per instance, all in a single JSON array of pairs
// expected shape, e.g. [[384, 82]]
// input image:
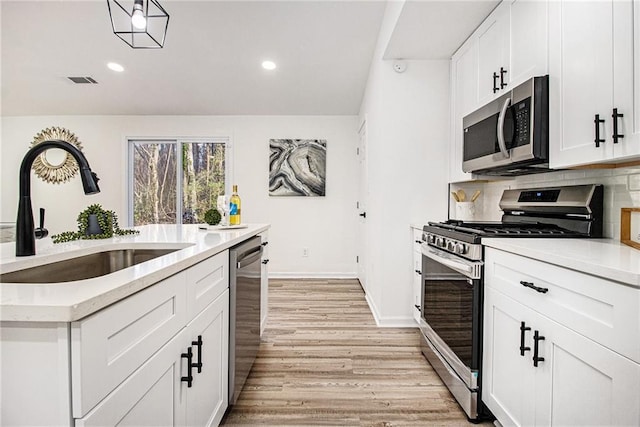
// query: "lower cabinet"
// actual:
[[539, 372], [184, 383]]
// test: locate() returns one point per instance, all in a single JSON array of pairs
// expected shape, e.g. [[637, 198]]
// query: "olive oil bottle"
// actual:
[[234, 207]]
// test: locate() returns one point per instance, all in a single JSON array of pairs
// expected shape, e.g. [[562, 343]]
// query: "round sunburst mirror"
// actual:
[[55, 165]]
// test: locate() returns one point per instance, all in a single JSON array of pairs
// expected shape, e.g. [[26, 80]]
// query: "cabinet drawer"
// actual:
[[206, 281], [599, 309], [109, 345]]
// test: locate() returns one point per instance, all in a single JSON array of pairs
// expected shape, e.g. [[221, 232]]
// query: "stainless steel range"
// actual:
[[452, 276]]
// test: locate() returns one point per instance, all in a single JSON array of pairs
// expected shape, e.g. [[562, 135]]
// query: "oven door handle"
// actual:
[[500, 130], [469, 270]]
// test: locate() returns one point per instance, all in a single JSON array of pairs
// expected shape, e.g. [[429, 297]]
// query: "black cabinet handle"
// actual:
[[189, 356], [502, 73], [534, 287], [419, 272], [417, 307], [597, 122], [523, 329], [616, 135], [536, 338], [495, 82], [264, 243], [198, 343], [265, 261], [363, 214], [419, 242]]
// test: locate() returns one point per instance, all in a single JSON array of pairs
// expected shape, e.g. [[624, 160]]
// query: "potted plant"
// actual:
[[94, 223]]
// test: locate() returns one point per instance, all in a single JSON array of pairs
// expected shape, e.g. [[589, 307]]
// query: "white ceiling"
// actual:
[[210, 64], [435, 29]]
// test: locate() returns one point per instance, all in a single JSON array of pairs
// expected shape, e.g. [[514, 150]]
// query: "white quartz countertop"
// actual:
[[69, 301], [605, 258]]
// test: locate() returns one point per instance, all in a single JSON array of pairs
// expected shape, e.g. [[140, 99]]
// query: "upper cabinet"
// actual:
[[464, 95], [594, 72], [509, 47], [512, 47]]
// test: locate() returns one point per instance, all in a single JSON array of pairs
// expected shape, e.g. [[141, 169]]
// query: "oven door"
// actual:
[[451, 311]]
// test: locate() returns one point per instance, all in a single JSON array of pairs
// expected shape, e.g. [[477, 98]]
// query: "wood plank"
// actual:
[[323, 361]]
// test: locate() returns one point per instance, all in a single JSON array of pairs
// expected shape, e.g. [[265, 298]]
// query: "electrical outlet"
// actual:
[[305, 252]]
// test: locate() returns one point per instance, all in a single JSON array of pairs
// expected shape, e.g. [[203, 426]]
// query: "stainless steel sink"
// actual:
[[84, 267]]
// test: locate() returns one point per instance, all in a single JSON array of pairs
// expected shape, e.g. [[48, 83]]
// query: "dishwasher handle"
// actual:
[[249, 257]]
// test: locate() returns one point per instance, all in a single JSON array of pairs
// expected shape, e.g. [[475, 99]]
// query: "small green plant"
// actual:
[[107, 221], [212, 216]]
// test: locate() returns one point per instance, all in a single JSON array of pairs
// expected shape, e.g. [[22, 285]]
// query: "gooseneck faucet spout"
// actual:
[[25, 230]]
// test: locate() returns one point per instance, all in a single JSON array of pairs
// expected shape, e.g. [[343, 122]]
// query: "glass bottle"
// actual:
[[234, 207]]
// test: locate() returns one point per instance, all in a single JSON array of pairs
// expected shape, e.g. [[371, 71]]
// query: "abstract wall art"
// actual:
[[297, 167]]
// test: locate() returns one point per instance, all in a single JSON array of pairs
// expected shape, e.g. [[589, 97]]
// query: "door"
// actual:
[[464, 93], [207, 398], [506, 368], [493, 55], [151, 396], [529, 33], [580, 382], [581, 84], [361, 206]]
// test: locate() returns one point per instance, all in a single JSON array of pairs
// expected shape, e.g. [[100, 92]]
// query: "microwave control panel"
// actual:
[[522, 122]]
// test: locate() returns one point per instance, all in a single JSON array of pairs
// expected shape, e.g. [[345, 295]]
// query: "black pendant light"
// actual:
[[142, 24]]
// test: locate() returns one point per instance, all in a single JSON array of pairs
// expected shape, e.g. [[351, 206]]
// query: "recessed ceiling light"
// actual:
[[115, 67], [269, 65]]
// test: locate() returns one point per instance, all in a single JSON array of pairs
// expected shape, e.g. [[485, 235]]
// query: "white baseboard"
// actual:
[[389, 322], [305, 275]]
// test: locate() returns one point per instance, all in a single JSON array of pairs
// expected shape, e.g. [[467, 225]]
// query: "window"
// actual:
[[167, 188]]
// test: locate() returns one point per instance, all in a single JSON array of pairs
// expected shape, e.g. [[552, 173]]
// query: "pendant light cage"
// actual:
[[150, 37]]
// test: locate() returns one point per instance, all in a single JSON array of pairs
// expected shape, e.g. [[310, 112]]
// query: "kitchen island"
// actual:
[[147, 344]]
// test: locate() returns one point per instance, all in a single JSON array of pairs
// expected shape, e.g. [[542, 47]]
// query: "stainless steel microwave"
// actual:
[[510, 135]]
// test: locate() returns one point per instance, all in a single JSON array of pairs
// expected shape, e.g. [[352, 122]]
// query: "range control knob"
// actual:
[[460, 248], [451, 245], [431, 239], [440, 242]]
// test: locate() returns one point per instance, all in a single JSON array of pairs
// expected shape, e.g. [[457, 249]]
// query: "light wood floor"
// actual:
[[323, 361]]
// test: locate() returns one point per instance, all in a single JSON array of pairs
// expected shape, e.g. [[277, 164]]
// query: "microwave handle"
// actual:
[[500, 130]]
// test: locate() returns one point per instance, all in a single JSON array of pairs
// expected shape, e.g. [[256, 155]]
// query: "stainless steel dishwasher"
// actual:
[[244, 312]]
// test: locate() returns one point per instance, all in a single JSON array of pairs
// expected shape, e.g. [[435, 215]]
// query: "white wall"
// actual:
[[324, 225], [407, 116]]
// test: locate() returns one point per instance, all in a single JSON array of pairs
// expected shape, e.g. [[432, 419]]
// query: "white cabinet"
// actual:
[[544, 363], [464, 96], [160, 393], [416, 285], [126, 364], [593, 75], [264, 282], [208, 337], [493, 54], [508, 48], [512, 47]]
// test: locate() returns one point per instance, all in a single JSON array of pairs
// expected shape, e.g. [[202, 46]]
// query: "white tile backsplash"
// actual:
[[621, 190]]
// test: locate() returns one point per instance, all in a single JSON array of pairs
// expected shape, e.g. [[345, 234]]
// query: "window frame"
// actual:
[[178, 143]]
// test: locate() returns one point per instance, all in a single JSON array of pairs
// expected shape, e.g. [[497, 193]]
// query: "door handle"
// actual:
[[523, 329], [597, 122], [189, 356], [198, 343], [363, 214], [501, 143], [616, 135], [502, 73], [536, 338]]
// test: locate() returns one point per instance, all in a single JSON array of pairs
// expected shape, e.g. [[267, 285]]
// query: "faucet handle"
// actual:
[[41, 232]]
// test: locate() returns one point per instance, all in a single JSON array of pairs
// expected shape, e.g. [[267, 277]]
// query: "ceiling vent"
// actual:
[[80, 80]]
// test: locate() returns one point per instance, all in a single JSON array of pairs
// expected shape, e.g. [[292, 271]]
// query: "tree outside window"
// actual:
[[159, 179]]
